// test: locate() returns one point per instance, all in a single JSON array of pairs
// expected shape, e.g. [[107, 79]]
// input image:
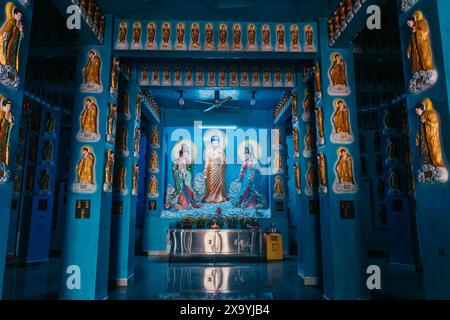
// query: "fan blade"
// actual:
[[203, 102], [209, 109], [226, 100]]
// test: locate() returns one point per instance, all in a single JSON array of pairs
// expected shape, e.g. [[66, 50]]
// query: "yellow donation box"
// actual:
[[274, 246]]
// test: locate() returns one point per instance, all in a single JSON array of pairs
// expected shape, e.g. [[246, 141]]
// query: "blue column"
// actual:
[[154, 229], [309, 252], [428, 89], [342, 215], [85, 248], [36, 219], [12, 80], [125, 182], [279, 202]]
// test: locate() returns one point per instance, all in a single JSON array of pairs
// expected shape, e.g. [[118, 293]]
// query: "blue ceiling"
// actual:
[[265, 98], [230, 10]]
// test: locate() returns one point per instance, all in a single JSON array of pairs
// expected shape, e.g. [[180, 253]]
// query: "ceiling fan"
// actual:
[[217, 103]]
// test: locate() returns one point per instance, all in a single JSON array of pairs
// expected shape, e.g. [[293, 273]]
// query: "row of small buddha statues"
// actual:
[[342, 15], [282, 104], [151, 103], [94, 16]]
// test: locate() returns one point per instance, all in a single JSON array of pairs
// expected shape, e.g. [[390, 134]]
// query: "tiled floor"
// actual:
[[155, 278]]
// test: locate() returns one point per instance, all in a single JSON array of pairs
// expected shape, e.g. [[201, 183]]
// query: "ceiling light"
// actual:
[[253, 100], [181, 101]]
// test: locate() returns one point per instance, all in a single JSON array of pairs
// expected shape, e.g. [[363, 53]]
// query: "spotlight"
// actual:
[[253, 100], [181, 101]]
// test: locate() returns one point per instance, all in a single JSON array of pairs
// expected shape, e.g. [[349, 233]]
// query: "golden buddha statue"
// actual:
[[6, 127], [341, 118], [166, 34], [280, 36], [428, 139], [47, 151], [89, 116], [251, 34], [344, 167], [295, 136], [394, 181], [122, 136], [124, 104], [44, 181], [319, 117], [154, 166], [308, 103], [137, 31], [180, 36], [237, 36], [294, 36], [317, 79], [135, 179], [153, 185], [322, 169], [223, 36], [266, 35], [109, 166], [91, 71], [278, 187], [85, 167], [115, 73], [12, 32], [309, 36], [338, 73], [294, 106], [214, 172], [151, 34], [137, 136], [311, 176], [119, 177], [297, 177], [209, 35], [155, 136], [112, 118], [419, 52], [195, 36]]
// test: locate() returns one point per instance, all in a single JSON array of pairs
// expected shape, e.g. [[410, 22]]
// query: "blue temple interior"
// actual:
[[130, 128]]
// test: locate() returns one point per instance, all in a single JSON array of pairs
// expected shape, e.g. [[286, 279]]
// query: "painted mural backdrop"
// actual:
[[218, 172]]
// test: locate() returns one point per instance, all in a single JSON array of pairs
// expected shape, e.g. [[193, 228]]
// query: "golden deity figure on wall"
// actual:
[[289, 79], [311, 178], [345, 182], [151, 36], [319, 123], [109, 168], [223, 38], [122, 141], [278, 188], [124, 105], [119, 183], [209, 38], [214, 171], [177, 81], [338, 76], [420, 54], [340, 120], [44, 182], [85, 170], [165, 41], [12, 35], [166, 76], [251, 38], [49, 124], [278, 82], [181, 42], [155, 137], [211, 76], [294, 107], [309, 45], [234, 81], [295, 39], [309, 141], [317, 81], [137, 137], [153, 187], [194, 43], [392, 150], [154, 164], [92, 73], [298, 187], [188, 79], [308, 104], [155, 76], [322, 170], [296, 140], [47, 152], [200, 80], [237, 38], [266, 38], [244, 77], [144, 76], [111, 124], [135, 180], [115, 71], [6, 128], [433, 169], [267, 77], [255, 77], [395, 186], [136, 43], [281, 41], [89, 121], [122, 43]]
